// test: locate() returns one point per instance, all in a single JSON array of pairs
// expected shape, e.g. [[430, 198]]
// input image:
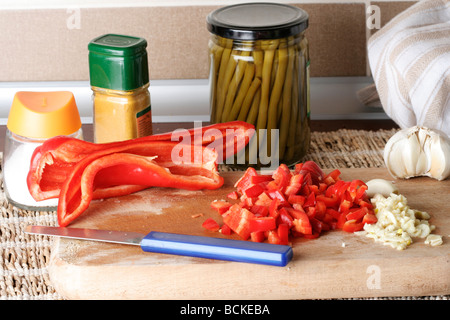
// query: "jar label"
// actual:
[[144, 122]]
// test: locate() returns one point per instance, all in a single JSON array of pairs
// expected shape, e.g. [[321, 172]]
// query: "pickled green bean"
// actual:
[[276, 93], [220, 79], [269, 53], [249, 97], [234, 82], [254, 109], [287, 102]]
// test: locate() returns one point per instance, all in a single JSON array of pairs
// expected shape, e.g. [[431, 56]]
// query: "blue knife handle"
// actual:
[[217, 248]]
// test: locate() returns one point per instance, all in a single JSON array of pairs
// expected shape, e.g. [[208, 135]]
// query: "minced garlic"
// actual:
[[434, 240], [397, 223]]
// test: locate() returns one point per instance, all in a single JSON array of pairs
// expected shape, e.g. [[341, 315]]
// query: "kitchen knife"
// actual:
[[180, 244]]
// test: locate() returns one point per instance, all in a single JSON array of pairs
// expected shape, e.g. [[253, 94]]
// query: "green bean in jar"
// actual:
[[260, 74]]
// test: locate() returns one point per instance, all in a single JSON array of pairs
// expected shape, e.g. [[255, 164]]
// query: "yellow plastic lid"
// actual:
[[43, 115]]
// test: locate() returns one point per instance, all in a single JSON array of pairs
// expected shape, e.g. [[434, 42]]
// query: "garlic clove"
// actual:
[[393, 161], [411, 154], [424, 161], [439, 159], [380, 186]]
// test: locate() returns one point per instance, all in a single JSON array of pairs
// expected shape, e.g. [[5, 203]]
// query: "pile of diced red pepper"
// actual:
[[302, 202]]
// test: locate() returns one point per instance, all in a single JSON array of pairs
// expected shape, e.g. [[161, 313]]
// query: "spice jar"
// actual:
[[34, 117], [119, 78], [260, 74]]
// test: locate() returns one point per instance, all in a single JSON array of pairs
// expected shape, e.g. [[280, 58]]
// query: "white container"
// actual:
[[34, 118]]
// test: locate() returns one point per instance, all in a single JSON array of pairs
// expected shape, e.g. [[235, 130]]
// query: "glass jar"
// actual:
[[119, 78], [34, 117], [259, 73]]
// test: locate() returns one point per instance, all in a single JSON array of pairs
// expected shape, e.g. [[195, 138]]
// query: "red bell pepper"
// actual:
[[123, 173], [52, 162]]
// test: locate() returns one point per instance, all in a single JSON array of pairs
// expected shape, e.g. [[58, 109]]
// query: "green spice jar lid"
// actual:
[[253, 21], [118, 62]]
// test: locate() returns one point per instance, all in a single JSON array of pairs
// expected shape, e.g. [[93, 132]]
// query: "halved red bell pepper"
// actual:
[[52, 162], [123, 173]]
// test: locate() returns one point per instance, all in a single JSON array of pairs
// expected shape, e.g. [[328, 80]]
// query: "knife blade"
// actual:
[[180, 244]]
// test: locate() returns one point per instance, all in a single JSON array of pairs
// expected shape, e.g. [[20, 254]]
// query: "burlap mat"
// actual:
[[23, 271]]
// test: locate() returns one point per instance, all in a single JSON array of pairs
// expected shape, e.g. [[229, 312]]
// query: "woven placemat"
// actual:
[[24, 258]]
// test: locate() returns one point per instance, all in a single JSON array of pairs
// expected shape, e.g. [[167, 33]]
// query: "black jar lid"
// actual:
[[253, 21]]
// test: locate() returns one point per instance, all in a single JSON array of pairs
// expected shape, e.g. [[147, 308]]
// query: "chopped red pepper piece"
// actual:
[[221, 206], [257, 236], [357, 214], [211, 224], [283, 233], [301, 221], [352, 226], [263, 200], [282, 176], [254, 191], [246, 180], [233, 195], [260, 178], [370, 218], [260, 211], [273, 237], [316, 173], [286, 218], [225, 230], [238, 219], [262, 224]]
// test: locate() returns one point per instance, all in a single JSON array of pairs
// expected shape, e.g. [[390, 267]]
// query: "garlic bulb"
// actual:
[[418, 151]]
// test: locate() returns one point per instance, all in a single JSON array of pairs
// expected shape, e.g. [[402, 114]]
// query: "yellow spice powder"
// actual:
[[121, 115]]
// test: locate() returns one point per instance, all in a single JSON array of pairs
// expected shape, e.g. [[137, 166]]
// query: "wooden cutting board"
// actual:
[[336, 265]]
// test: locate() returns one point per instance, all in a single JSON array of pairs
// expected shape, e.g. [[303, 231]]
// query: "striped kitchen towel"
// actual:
[[410, 62]]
